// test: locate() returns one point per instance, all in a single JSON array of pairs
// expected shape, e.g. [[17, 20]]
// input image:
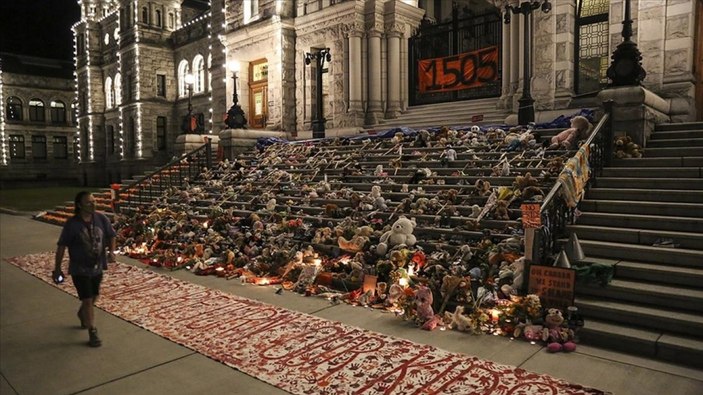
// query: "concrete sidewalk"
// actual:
[[42, 351]]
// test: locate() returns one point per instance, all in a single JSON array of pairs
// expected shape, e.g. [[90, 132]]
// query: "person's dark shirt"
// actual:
[[87, 242]]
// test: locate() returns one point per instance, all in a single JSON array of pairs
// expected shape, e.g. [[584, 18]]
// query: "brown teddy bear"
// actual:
[[483, 187], [501, 210], [626, 148]]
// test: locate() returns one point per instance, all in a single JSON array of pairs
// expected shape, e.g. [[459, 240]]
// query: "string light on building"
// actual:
[[76, 105], [209, 63], [118, 84], [138, 133], [3, 142]]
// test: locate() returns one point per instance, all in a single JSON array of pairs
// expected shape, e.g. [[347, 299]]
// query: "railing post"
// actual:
[[609, 133], [208, 152]]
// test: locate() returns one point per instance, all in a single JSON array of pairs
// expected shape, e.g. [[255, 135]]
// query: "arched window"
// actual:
[[592, 35], [199, 74], [109, 93], [118, 89], [182, 71], [158, 18], [36, 110], [145, 15], [58, 112], [14, 108]]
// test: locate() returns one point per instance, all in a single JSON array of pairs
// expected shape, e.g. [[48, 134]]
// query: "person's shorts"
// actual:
[[87, 287]]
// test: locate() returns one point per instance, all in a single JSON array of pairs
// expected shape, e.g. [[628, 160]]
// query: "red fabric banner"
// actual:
[[457, 72]]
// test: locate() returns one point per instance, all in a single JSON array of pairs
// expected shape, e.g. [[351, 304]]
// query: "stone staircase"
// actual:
[[654, 304], [458, 113]]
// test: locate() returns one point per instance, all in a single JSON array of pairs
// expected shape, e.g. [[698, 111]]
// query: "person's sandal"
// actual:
[[94, 340], [80, 317]]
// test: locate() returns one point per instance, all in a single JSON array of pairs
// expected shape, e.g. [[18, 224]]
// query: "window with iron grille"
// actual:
[[39, 147], [16, 146], [592, 35], [60, 147], [160, 133]]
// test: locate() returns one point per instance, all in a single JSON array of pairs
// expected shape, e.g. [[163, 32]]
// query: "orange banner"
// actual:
[[457, 72]]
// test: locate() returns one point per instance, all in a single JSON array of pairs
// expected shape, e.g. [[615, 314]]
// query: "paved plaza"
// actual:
[[43, 352]]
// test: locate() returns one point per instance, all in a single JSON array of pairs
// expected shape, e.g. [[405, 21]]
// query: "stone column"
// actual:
[[516, 55], [374, 55], [506, 66], [393, 75], [355, 71]]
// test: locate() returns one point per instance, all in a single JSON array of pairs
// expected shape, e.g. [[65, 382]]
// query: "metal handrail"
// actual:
[[142, 190], [554, 212]]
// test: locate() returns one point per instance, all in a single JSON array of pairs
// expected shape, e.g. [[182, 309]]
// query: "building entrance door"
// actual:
[[258, 94]]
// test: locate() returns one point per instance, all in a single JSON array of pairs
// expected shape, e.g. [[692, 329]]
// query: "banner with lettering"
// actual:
[[457, 72]]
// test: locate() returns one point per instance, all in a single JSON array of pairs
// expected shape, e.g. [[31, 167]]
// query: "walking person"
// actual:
[[90, 239]]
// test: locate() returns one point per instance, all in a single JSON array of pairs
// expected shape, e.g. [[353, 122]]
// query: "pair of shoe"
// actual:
[[93, 339]]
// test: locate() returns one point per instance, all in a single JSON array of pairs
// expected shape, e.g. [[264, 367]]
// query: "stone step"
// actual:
[[643, 207], [671, 127], [632, 314], [652, 294], [687, 142], [681, 134], [665, 256], [672, 161], [658, 172], [685, 276], [430, 122], [656, 152], [650, 222], [693, 241], [649, 343], [633, 194], [489, 102], [653, 183]]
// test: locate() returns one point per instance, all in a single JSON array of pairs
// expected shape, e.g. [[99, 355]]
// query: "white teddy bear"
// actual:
[[401, 233]]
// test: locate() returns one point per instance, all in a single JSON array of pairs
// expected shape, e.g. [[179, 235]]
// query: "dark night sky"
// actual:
[[38, 27]]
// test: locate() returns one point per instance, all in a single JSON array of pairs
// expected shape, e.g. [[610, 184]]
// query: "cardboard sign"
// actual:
[[530, 215], [553, 285], [477, 118]]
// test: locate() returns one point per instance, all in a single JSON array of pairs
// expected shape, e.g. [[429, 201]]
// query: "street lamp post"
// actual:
[[235, 116], [526, 110], [626, 68], [188, 125], [320, 56]]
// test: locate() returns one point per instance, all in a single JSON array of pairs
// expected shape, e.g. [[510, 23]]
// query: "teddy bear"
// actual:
[[358, 241], [483, 187], [554, 167], [401, 233], [423, 304], [557, 336], [422, 139], [457, 320], [626, 148], [568, 138], [501, 210]]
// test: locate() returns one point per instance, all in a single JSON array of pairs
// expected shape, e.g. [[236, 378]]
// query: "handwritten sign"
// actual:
[[530, 215], [477, 118], [553, 285], [456, 72]]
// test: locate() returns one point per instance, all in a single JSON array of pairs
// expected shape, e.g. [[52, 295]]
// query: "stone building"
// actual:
[[133, 59], [37, 124]]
